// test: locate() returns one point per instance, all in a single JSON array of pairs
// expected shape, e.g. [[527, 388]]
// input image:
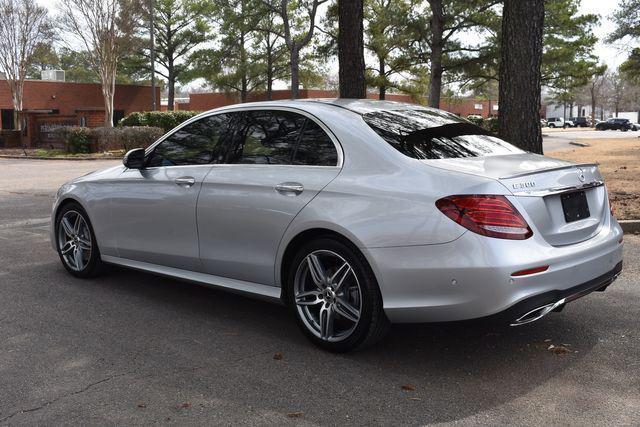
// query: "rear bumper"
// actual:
[[532, 308], [470, 277]]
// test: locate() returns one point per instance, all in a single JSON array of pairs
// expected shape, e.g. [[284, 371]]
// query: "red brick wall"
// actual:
[[465, 107], [210, 100], [69, 97]]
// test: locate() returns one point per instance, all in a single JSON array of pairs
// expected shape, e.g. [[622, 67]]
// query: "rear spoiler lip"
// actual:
[[577, 165]]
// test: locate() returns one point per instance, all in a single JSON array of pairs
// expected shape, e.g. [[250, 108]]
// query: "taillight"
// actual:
[[492, 216]]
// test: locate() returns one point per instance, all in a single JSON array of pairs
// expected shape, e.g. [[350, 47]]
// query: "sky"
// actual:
[[612, 55]]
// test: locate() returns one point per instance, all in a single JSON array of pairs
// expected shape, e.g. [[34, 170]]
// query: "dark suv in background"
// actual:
[[580, 122], [615, 124]]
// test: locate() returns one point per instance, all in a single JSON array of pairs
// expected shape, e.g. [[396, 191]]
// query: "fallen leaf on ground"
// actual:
[[415, 398], [186, 405], [278, 356], [295, 414], [408, 387], [559, 349], [142, 405]]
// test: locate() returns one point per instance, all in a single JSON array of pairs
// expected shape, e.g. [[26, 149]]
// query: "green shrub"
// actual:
[[76, 139], [125, 137], [491, 124], [478, 121], [165, 120]]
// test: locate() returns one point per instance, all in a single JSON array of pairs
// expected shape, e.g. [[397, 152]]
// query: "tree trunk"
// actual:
[[269, 75], [171, 83], [351, 49], [243, 90], [17, 90], [593, 108], [521, 56], [108, 89], [383, 87], [435, 82], [295, 77]]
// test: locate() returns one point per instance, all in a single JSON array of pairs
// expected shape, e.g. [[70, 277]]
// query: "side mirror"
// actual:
[[134, 159]]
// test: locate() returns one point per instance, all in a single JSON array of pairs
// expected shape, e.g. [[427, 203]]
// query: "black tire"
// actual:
[[372, 324], [94, 265], [551, 125]]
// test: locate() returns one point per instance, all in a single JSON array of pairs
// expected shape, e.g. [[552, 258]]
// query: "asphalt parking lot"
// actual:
[[560, 139], [132, 348]]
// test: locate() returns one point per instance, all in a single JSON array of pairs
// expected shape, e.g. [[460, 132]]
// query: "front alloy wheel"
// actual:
[[335, 296], [76, 242]]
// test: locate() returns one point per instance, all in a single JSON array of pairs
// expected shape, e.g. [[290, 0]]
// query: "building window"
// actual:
[[117, 116], [83, 122], [477, 106], [6, 117], [495, 107]]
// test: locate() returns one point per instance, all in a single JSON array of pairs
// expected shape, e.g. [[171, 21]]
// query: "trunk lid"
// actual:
[[540, 184]]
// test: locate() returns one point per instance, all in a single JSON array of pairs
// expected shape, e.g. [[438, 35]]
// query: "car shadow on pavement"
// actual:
[[221, 345]]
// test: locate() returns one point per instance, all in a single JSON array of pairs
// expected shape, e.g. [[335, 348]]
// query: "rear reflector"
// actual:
[[488, 215], [528, 271]]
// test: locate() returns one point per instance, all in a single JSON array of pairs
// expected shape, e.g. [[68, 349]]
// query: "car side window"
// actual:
[[264, 137], [316, 147], [194, 144]]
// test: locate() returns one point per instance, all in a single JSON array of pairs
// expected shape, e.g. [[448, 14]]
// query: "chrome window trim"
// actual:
[[324, 127]]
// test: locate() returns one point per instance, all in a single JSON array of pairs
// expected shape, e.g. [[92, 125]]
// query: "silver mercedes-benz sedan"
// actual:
[[353, 213]]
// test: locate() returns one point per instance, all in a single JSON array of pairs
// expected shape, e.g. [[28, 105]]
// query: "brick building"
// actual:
[[48, 105], [209, 100]]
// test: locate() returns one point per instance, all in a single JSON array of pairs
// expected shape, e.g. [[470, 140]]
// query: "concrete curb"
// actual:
[[630, 226], [5, 156]]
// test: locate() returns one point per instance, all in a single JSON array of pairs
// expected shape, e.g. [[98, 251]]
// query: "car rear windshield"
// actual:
[[426, 134]]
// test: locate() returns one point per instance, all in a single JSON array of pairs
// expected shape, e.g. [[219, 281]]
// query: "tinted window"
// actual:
[[315, 147], [264, 137], [425, 134], [194, 144]]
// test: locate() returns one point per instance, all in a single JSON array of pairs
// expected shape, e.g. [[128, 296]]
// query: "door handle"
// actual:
[[290, 188], [185, 181]]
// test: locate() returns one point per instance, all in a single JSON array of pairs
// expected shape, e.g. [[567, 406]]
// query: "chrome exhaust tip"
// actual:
[[538, 313]]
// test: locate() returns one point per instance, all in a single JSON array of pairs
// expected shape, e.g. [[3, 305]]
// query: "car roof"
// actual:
[[359, 106]]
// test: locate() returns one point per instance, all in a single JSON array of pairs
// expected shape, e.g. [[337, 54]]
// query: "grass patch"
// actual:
[[619, 161]]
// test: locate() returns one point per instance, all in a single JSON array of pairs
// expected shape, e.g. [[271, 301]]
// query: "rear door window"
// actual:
[[315, 147], [264, 137], [425, 134]]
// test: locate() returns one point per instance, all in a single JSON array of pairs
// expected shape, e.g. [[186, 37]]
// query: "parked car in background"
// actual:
[[544, 123], [635, 126], [581, 122], [354, 213], [615, 124], [559, 122]]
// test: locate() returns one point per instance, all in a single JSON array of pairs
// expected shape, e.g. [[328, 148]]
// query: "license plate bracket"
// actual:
[[575, 206]]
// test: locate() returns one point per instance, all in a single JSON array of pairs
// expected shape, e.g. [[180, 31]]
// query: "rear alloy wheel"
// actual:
[[76, 242], [335, 297]]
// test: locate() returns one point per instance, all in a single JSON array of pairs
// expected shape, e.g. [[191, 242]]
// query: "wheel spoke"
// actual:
[[77, 258], [316, 270], [347, 311], [84, 243], [77, 224], [68, 228], [68, 247], [340, 275], [326, 322], [302, 298]]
